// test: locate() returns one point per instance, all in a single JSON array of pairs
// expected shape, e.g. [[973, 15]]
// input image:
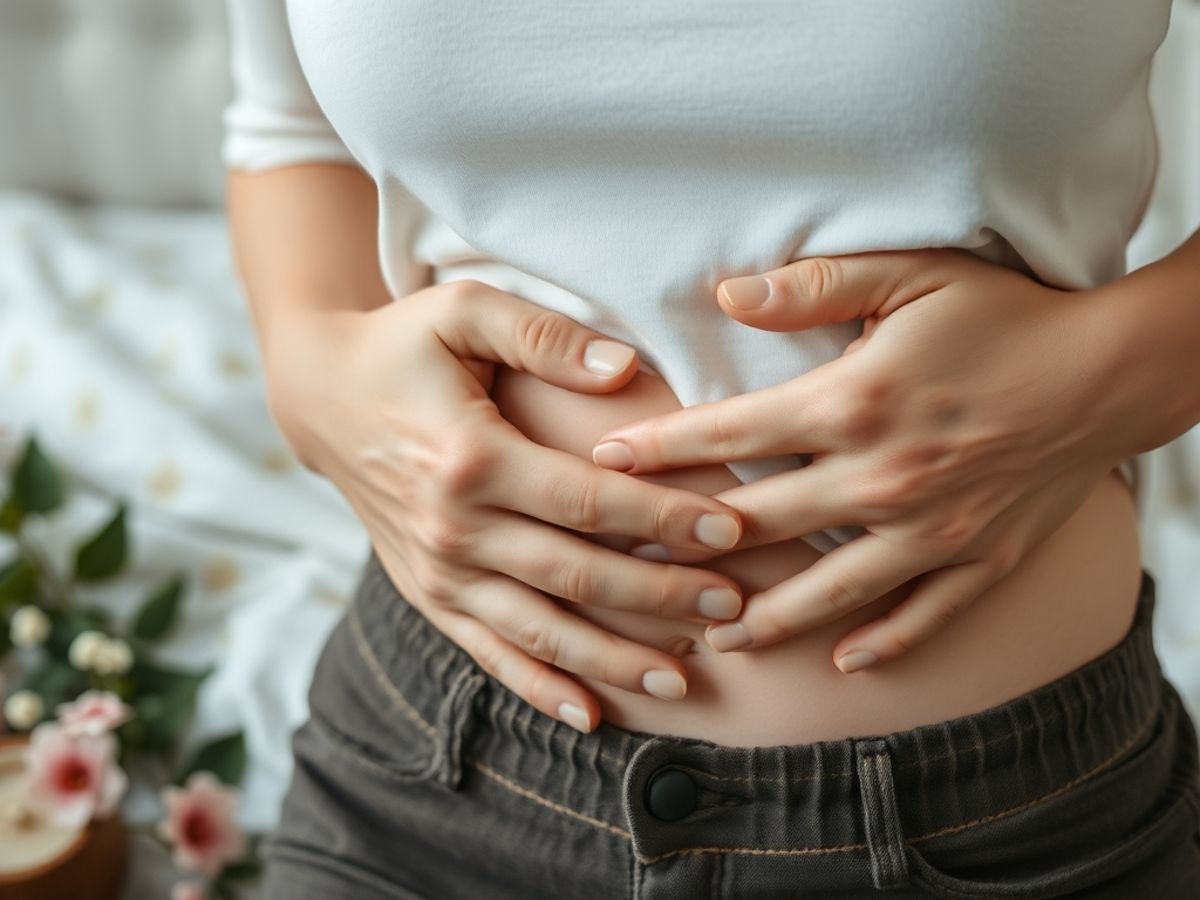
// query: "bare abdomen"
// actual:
[[1068, 602]]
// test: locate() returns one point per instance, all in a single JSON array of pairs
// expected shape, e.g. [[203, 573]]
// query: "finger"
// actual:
[[820, 290], [567, 566], [537, 626], [797, 416], [561, 488], [537, 683], [780, 507], [935, 602], [838, 583], [474, 319]]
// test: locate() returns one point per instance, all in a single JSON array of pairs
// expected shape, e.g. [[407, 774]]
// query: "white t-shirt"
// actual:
[[615, 162]]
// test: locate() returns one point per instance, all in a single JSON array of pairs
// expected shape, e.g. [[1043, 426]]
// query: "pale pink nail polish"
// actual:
[[855, 660]]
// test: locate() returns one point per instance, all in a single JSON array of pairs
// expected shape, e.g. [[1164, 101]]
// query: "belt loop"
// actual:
[[455, 715], [881, 816]]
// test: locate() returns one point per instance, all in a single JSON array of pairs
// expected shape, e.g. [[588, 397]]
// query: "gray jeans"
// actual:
[[418, 775]]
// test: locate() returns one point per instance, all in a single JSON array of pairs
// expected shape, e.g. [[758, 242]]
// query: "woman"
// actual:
[[456, 234]]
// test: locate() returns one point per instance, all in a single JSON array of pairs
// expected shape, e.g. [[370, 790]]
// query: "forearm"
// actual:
[[305, 241], [1148, 342]]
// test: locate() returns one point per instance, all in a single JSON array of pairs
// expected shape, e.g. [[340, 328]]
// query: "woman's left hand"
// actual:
[[965, 425]]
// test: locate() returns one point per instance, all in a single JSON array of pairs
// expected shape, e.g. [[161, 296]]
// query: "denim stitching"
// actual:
[[1095, 770], [367, 654], [802, 851], [911, 764], [557, 807], [895, 865], [351, 751]]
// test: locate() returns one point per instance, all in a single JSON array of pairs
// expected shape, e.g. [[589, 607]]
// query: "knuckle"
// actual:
[[537, 685], [1004, 557], [439, 591], [816, 276], [724, 431], [577, 503], [534, 638], [446, 539], [889, 494], [459, 295], [665, 515], [865, 412], [574, 582], [901, 639], [667, 587], [463, 464], [844, 594], [943, 407], [957, 529], [904, 642], [546, 333], [611, 669], [944, 614]]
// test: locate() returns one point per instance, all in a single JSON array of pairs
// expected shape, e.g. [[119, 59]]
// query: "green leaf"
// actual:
[[11, 515], [104, 553], [224, 757], [37, 486], [55, 682], [159, 612], [165, 703], [18, 582], [155, 679]]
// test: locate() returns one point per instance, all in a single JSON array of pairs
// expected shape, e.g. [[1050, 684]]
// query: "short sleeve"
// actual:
[[273, 118]]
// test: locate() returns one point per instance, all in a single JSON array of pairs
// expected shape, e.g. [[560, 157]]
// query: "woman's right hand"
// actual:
[[472, 520]]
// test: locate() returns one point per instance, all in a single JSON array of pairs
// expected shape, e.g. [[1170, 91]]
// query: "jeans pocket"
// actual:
[[356, 713], [1107, 825]]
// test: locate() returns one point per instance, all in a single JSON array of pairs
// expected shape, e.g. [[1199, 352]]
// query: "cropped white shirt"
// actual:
[[615, 162]]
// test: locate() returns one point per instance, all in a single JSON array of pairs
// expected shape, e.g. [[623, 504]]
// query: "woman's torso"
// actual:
[[615, 164], [1070, 600]]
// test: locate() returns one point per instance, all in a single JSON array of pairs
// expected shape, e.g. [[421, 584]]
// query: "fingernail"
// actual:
[[750, 292], [855, 660], [728, 637], [716, 530], [613, 455], [719, 603], [654, 552], [665, 684], [574, 716], [606, 357]]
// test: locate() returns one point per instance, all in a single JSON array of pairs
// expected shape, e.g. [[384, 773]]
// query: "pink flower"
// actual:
[[94, 712], [200, 824], [189, 890], [72, 778]]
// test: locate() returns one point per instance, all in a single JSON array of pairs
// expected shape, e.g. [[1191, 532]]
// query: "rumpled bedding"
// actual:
[[125, 343]]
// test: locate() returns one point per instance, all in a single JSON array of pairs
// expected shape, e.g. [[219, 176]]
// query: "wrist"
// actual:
[[1145, 337], [302, 354]]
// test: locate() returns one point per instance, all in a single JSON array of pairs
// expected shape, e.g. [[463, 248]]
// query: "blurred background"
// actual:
[[126, 346]]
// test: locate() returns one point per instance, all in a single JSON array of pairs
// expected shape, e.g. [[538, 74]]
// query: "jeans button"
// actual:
[[670, 794]]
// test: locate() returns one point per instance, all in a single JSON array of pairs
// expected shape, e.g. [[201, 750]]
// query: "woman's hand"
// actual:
[[963, 427], [464, 511]]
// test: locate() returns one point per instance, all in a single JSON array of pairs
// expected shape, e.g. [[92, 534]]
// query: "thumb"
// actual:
[[479, 321], [820, 290]]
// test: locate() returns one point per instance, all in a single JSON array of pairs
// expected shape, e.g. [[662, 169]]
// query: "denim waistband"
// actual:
[[823, 797]]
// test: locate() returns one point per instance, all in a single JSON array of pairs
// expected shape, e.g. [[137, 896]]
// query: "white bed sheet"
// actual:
[[125, 341]]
